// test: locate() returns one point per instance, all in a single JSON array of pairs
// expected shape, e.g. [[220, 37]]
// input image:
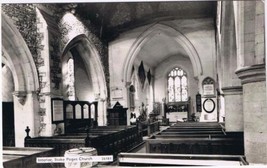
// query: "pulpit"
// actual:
[[117, 115]]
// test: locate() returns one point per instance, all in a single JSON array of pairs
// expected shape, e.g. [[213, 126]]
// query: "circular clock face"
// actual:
[[209, 105]]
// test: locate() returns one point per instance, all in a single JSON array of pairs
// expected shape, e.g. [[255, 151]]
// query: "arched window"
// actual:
[[71, 89], [177, 85]]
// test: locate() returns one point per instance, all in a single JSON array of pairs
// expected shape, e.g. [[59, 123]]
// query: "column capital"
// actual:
[[232, 90], [21, 96], [251, 74]]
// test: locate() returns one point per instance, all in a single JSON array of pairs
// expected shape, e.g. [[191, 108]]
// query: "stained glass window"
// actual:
[[177, 85]]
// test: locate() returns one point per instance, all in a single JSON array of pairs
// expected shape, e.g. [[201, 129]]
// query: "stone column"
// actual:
[[26, 109], [234, 108], [230, 83], [254, 109]]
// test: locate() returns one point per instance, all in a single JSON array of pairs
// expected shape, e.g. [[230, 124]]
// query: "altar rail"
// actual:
[[106, 142], [147, 159]]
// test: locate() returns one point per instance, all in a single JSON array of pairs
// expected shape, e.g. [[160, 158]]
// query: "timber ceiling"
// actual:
[[116, 17]]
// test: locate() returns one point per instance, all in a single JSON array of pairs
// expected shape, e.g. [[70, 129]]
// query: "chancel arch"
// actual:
[[184, 48], [88, 73], [172, 33]]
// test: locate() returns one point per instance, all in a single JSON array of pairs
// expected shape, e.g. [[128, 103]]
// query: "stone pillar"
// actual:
[[254, 109], [26, 109], [234, 108], [102, 112], [230, 83]]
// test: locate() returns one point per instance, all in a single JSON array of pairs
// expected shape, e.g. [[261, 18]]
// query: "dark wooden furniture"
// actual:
[[117, 115], [152, 127], [108, 140], [25, 157], [149, 159], [221, 145], [88, 113], [198, 138]]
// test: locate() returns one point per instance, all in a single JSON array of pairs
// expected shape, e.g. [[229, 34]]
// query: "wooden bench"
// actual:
[[25, 157], [110, 143], [208, 135], [149, 159], [148, 128], [196, 146], [153, 127], [190, 132]]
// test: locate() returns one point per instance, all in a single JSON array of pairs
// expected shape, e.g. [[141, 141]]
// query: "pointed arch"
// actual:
[[91, 59], [172, 33], [18, 57]]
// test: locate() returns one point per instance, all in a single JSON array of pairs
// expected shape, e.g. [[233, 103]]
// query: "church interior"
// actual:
[[149, 83]]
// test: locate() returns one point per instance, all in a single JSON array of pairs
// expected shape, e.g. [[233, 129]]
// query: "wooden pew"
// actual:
[[195, 146], [194, 129], [106, 143], [208, 135], [189, 138], [148, 128], [190, 133], [24, 157], [148, 159], [197, 124], [153, 127]]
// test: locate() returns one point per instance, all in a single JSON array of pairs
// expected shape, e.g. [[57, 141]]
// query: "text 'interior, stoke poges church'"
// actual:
[[149, 83]]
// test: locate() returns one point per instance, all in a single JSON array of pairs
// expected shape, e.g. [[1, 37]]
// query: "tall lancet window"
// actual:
[[177, 85], [71, 88]]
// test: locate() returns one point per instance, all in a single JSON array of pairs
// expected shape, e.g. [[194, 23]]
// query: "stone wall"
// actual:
[[80, 26], [24, 17]]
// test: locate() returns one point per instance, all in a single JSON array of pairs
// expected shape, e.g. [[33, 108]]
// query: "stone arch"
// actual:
[[91, 59], [94, 67], [18, 57], [169, 31]]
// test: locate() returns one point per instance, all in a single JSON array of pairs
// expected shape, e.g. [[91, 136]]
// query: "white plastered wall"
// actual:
[[200, 46]]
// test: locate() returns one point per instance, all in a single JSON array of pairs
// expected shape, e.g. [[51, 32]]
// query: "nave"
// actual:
[[182, 143], [162, 79]]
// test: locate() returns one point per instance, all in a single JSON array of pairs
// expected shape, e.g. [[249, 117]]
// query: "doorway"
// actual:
[[8, 124]]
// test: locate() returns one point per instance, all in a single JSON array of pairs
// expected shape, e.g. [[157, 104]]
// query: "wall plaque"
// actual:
[[208, 89], [209, 105], [57, 110]]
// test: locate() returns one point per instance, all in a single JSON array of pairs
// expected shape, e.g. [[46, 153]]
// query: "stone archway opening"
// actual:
[[17, 56], [91, 77]]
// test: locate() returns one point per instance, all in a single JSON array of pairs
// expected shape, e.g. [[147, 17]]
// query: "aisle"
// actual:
[[142, 148]]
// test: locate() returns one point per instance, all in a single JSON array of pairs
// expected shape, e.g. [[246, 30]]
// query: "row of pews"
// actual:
[[196, 138], [108, 140], [190, 143]]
